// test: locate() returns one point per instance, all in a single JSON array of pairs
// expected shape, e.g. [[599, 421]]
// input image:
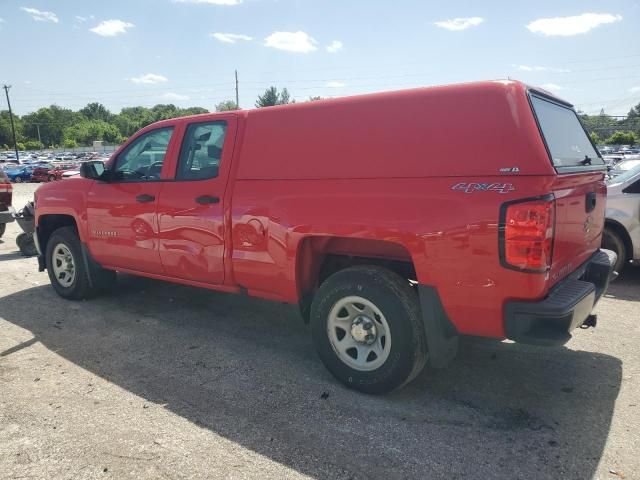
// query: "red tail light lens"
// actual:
[[526, 234]]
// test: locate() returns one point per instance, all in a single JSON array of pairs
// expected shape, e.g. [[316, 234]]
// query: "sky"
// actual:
[[126, 53]]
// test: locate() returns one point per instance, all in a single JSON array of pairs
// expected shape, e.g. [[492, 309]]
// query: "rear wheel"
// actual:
[[52, 178], [18, 180], [611, 240], [367, 329]]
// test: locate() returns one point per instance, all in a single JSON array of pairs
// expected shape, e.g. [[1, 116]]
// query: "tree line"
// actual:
[[56, 126]]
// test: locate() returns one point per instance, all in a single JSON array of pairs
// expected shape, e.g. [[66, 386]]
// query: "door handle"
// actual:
[[204, 199], [145, 198], [590, 202]]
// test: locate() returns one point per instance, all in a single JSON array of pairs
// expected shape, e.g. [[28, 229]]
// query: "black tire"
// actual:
[[18, 180], [398, 302], [611, 240], [52, 178], [81, 286], [3, 228], [25, 243]]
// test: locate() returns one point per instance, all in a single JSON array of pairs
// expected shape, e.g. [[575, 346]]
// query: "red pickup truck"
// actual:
[[358, 209]]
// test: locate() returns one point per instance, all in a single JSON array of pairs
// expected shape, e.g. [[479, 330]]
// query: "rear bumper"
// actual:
[[7, 215], [568, 305]]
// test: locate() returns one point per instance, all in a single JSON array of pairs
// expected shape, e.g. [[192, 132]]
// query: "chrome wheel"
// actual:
[[359, 333], [18, 180], [63, 265]]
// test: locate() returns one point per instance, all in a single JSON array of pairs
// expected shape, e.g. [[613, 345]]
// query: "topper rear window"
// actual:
[[566, 139]]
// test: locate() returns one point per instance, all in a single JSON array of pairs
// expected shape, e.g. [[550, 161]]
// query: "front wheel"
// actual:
[[367, 329], [52, 178], [18, 180], [67, 269], [612, 241]]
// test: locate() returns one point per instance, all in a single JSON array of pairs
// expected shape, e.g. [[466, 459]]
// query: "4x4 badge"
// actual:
[[484, 187]]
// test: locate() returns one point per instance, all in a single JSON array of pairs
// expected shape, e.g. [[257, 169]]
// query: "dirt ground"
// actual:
[[162, 381]]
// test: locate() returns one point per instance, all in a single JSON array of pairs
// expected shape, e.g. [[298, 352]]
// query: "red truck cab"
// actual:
[[359, 210]]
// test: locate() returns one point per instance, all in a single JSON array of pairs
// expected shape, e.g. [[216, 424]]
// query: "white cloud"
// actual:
[[456, 24], [111, 28], [80, 18], [211, 2], [334, 46], [175, 96], [540, 68], [40, 16], [635, 89], [230, 37], [334, 84], [299, 42], [568, 26], [552, 87], [149, 78]]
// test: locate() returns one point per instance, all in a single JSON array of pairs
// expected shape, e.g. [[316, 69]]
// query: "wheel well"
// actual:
[[623, 234], [320, 257], [47, 224]]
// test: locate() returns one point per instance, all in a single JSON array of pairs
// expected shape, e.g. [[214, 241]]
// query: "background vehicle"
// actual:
[[337, 206], [19, 173], [6, 192], [40, 172], [622, 225]]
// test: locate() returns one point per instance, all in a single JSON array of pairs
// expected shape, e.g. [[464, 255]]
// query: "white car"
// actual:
[[622, 223]]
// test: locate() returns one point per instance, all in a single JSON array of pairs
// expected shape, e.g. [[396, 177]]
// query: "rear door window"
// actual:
[[567, 142]]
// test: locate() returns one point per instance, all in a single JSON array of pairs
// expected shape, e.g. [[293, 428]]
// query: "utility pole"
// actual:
[[237, 96], [38, 127], [13, 128]]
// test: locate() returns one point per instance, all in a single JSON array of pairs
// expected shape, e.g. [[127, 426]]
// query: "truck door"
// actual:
[[121, 212], [191, 210]]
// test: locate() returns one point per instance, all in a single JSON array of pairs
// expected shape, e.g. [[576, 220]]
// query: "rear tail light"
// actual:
[[526, 234]]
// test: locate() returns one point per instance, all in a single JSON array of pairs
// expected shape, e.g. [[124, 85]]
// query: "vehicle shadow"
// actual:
[[627, 286], [246, 369], [5, 257]]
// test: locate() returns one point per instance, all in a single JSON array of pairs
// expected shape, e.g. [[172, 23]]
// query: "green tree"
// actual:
[[33, 145], [87, 131], [595, 138], [226, 106], [621, 138], [69, 143], [96, 111], [272, 97]]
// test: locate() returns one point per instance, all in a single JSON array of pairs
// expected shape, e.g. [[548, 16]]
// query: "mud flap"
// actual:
[[442, 337]]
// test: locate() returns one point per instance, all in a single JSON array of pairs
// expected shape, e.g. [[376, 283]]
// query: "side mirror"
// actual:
[[92, 170]]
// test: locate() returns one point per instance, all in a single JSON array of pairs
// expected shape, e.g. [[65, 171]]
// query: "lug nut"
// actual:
[[368, 326], [369, 337]]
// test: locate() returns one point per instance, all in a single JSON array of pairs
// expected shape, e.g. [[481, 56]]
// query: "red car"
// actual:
[[359, 210], [6, 192], [50, 173]]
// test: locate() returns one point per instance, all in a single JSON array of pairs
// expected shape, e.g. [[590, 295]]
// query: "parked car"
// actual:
[[6, 192], [622, 224], [40, 172], [346, 208], [58, 171], [19, 173]]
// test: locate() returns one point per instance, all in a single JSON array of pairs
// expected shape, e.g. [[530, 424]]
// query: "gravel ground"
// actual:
[[163, 381]]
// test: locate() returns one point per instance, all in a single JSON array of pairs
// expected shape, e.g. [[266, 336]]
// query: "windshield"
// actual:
[[627, 165], [567, 141], [623, 177]]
